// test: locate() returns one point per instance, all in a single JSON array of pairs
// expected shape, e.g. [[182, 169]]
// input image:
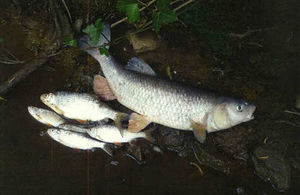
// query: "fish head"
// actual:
[[53, 133], [35, 112], [51, 101], [230, 112]]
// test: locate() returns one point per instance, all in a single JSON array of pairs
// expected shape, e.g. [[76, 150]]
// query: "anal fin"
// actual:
[[137, 123], [102, 89]]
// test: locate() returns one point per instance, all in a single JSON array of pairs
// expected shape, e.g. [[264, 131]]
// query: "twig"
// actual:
[[254, 44], [183, 5], [176, 1], [288, 123], [291, 112], [21, 74], [249, 32], [67, 9], [11, 61], [198, 167], [124, 19]]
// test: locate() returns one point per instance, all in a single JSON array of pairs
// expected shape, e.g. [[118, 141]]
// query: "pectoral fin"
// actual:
[[199, 131], [101, 88], [137, 123]]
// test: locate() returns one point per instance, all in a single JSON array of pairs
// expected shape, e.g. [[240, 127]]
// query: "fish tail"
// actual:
[[149, 137], [118, 121], [149, 134], [86, 45], [108, 149]]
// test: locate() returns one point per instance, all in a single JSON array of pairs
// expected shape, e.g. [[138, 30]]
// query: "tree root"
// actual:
[[28, 68]]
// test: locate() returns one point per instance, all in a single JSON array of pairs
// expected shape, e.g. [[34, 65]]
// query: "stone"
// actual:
[[271, 166]]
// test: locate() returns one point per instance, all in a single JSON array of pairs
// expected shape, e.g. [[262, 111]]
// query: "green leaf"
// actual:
[[1, 39], [94, 31], [99, 24], [163, 5], [1, 98], [104, 50], [160, 18], [130, 8], [70, 41]]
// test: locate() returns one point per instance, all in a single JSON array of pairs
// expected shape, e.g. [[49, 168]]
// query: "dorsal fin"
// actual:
[[139, 65]]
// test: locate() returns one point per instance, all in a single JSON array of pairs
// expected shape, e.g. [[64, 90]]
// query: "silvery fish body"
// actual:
[[75, 140], [110, 133], [169, 103], [78, 106], [46, 117]]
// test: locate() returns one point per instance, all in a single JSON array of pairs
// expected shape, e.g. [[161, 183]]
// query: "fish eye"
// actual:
[[239, 108]]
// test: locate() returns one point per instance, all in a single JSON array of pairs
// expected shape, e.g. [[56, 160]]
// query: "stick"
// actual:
[[184, 4], [249, 32], [288, 123], [66, 7], [291, 112], [23, 73]]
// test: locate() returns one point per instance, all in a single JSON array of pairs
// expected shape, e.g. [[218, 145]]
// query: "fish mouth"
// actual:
[[251, 115], [43, 98]]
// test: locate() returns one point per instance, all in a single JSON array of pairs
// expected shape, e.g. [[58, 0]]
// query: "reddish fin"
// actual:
[[102, 89], [137, 123], [49, 125], [118, 144], [81, 121]]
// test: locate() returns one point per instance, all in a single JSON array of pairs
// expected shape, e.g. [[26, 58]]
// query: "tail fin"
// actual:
[[85, 44], [108, 149], [148, 134], [118, 121]]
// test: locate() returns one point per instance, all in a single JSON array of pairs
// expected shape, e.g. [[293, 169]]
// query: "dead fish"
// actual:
[[46, 117], [110, 133], [81, 107], [77, 140], [164, 102]]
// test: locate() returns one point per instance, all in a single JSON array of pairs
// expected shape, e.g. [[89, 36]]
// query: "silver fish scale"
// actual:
[[160, 101]]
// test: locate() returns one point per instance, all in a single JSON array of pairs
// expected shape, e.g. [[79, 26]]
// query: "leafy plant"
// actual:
[[163, 15], [71, 42], [130, 8], [94, 31], [104, 50]]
